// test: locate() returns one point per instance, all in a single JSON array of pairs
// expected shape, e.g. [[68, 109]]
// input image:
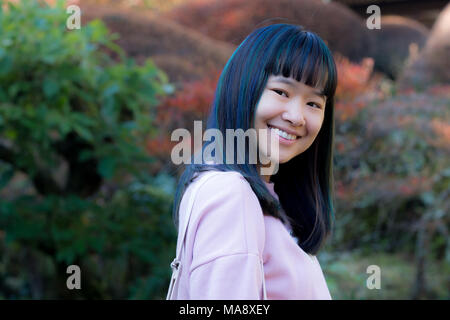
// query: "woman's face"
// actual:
[[293, 107]]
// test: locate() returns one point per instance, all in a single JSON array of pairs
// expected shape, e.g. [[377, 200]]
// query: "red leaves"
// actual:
[[353, 79], [196, 96], [357, 85], [191, 102]]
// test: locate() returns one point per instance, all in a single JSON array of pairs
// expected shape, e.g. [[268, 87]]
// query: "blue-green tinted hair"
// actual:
[[304, 184]]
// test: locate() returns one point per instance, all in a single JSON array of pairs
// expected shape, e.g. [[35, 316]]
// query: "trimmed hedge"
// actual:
[[64, 103]]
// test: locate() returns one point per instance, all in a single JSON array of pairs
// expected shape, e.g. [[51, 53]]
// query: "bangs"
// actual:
[[304, 57]]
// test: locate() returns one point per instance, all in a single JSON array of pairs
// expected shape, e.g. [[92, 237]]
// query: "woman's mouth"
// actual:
[[284, 136]]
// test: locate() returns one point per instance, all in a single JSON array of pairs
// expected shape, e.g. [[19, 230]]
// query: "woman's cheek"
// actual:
[[315, 124]]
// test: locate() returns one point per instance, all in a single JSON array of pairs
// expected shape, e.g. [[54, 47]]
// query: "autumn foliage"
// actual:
[[191, 102]]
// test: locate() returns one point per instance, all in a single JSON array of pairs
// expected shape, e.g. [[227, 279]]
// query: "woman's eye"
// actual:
[[280, 92], [317, 105]]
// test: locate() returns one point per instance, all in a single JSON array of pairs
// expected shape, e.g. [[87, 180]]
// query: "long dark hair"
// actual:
[[304, 184]]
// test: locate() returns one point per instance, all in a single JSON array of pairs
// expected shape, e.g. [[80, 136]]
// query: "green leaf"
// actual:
[[106, 167], [6, 65], [83, 132], [50, 87], [111, 90], [428, 198], [6, 176], [85, 155]]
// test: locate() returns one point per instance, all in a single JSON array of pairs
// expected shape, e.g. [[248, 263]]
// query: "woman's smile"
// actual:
[[284, 137]]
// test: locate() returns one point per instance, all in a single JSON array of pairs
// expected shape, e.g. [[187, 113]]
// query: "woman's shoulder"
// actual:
[[212, 181], [224, 208], [225, 189]]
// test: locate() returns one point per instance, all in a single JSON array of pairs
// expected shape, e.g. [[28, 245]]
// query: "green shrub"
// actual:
[[392, 179], [64, 103]]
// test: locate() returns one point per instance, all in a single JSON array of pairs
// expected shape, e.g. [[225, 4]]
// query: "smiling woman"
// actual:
[[248, 232], [294, 111]]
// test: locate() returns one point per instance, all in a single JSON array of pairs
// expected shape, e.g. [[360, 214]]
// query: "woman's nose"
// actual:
[[295, 116]]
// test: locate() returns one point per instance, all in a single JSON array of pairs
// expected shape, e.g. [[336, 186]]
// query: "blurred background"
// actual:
[[86, 117]]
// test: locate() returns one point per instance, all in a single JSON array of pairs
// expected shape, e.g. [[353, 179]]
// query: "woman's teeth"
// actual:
[[284, 134]]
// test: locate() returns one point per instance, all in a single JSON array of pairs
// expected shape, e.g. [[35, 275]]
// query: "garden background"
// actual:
[[86, 117]]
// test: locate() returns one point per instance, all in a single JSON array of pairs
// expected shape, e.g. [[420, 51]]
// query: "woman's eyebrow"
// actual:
[[320, 94], [292, 84], [286, 81]]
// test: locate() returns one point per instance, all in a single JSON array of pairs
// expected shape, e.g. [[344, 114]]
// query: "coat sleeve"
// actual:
[[229, 241]]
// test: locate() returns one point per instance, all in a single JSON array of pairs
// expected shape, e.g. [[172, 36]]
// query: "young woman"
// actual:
[[251, 233]]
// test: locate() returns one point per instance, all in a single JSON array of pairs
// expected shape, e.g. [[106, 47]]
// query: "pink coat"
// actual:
[[228, 235]]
